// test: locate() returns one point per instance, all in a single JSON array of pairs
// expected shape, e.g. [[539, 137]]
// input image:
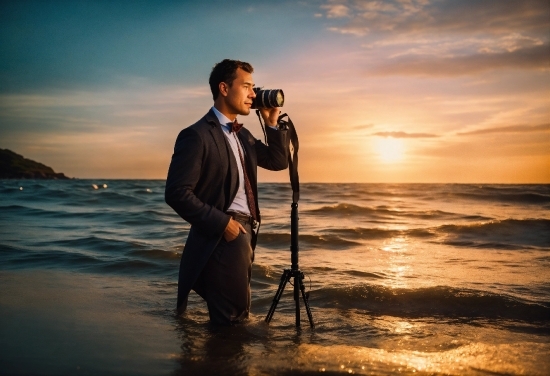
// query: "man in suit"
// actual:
[[212, 184]]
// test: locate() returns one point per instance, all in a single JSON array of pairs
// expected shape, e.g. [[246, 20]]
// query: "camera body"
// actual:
[[268, 98]]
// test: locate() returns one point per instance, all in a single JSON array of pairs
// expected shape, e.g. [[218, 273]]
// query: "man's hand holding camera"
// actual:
[[270, 115]]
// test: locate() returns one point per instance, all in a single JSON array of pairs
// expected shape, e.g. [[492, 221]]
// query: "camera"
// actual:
[[268, 98]]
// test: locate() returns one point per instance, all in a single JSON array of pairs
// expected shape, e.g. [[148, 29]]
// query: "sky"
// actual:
[[426, 91]]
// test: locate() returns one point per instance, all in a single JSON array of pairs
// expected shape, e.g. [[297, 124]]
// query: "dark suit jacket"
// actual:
[[202, 182]]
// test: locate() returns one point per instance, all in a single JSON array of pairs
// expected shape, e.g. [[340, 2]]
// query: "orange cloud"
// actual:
[[510, 129], [527, 58], [405, 135]]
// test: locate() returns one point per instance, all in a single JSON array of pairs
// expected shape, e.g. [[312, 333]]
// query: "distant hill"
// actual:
[[15, 166]]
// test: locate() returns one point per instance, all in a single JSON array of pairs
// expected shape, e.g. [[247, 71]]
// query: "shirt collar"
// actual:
[[222, 118]]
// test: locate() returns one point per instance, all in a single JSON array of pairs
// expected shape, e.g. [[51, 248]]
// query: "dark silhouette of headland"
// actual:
[[15, 166]]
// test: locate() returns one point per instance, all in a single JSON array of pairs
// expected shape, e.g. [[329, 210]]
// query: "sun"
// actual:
[[389, 150]]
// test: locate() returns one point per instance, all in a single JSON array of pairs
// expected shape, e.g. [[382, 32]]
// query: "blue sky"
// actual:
[[398, 91], [64, 44]]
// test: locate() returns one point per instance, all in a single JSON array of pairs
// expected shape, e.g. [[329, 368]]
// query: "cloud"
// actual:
[[510, 129], [405, 135], [445, 37], [448, 16], [537, 57], [336, 10], [363, 126]]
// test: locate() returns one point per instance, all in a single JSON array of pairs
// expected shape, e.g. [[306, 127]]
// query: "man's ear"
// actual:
[[224, 88]]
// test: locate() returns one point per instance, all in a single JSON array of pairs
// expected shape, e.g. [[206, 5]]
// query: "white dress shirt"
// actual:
[[239, 204]]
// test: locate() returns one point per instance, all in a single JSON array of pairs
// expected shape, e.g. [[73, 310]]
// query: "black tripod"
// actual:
[[294, 271]]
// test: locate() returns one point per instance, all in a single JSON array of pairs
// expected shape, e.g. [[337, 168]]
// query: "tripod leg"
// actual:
[[306, 303], [297, 284], [284, 279]]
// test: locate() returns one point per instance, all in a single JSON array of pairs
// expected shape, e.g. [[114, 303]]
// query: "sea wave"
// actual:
[[93, 254], [386, 212], [437, 301], [155, 254], [276, 240], [360, 233], [506, 195], [504, 234]]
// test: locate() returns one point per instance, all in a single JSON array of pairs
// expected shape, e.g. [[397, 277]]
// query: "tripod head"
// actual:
[[292, 155], [293, 152]]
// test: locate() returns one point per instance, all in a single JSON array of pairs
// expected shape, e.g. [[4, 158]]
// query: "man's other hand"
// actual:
[[232, 230]]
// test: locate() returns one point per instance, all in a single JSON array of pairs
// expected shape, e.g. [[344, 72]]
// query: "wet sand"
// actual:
[[57, 323]]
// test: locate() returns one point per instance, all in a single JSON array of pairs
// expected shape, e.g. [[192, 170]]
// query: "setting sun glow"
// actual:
[[389, 150]]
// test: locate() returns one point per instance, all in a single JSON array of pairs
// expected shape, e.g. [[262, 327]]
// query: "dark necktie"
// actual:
[[247, 186]]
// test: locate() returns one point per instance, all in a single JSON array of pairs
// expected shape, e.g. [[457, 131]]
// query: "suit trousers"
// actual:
[[225, 281]]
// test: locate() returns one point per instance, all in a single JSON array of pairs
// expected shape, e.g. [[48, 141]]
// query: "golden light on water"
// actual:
[[389, 150], [399, 264], [462, 359]]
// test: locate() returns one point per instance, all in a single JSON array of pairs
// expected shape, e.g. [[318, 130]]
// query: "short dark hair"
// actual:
[[226, 71]]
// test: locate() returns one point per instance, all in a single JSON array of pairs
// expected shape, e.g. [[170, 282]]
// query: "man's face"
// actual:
[[240, 94]]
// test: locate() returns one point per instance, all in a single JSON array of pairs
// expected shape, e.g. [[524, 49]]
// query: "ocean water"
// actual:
[[402, 279]]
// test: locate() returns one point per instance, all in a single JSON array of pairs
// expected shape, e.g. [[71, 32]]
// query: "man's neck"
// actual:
[[223, 110]]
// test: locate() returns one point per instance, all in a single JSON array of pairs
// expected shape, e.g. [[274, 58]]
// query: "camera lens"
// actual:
[[268, 98]]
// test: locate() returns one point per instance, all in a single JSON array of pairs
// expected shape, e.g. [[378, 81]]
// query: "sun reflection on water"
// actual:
[[396, 244], [398, 261]]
